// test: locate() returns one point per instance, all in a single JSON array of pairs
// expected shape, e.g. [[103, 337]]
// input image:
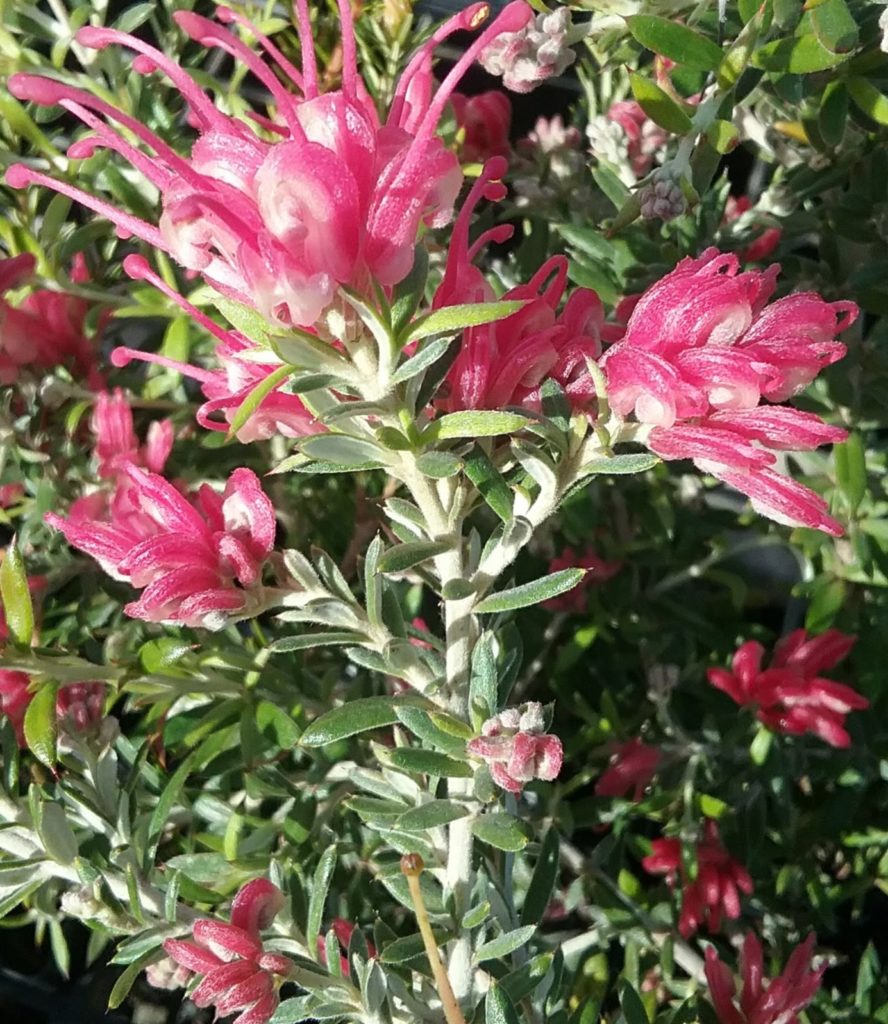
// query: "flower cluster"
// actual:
[[80, 707], [703, 348], [484, 121], [47, 328], [715, 891], [527, 57], [116, 444], [779, 1002], [279, 214], [790, 696], [517, 749], [632, 767], [238, 974]]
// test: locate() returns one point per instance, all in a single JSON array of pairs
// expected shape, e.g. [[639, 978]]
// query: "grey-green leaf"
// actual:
[[504, 944], [527, 594], [352, 718]]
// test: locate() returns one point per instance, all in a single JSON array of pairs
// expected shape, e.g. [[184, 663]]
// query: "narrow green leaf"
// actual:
[[317, 900], [424, 725], [41, 724], [452, 319], [659, 105], [798, 56], [832, 118], [423, 359], [428, 762], [409, 293], [834, 26], [352, 718], [620, 465], [308, 641], [671, 39], [527, 594], [471, 423], [439, 465], [504, 944], [404, 556], [17, 607], [256, 397], [490, 483], [431, 815], [500, 830], [870, 100], [476, 916], [483, 683], [56, 834], [128, 978], [408, 948], [850, 462], [342, 449], [498, 1008], [542, 882], [632, 1006]]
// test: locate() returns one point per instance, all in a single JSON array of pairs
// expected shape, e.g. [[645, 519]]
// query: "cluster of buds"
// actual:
[[662, 198], [550, 169], [790, 696], [715, 891], [516, 747], [528, 57], [627, 139], [80, 707], [238, 974]]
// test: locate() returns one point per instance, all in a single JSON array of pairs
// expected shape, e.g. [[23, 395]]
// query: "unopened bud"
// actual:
[[412, 865]]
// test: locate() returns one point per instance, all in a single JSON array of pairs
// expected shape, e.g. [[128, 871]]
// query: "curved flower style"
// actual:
[[197, 564], [238, 974], [632, 766], [47, 328], [278, 214], [485, 120], [226, 388], [715, 892], [599, 571], [116, 442], [778, 1002], [702, 349], [790, 696], [516, 749]]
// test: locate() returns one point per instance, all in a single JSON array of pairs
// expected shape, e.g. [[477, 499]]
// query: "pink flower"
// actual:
[[485, 120], [715, 892], [14, 700], [645, 139], [790, 695], [760, 248], [81, 706], [599, 571], [46, 329], [778, 1002], [702, 349], [11, 494], [632, 766], [335, 198], [238, 975], [528, 55], [516, 749], [504, 363], [116, 441], [197, 564]]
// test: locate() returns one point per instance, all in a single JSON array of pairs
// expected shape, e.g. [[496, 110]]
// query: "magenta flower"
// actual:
[[278, 214], [632, 766], [197, 564], [81, 706], [46, 328], [790, 695], [485, 121], [516, 749], [116, 442], [702, 350], [598, 571], [14, 700], [238, 975], [645, 139], [715, 892], [778, 1002]]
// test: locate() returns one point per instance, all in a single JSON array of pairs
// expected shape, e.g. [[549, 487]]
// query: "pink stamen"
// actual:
[[139, 269], [123, 356], [349, 51], [226, 15], [20, 176], [208, 33], [306, 45]]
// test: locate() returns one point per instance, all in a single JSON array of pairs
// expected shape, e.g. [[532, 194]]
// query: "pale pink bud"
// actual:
[[516, 749]]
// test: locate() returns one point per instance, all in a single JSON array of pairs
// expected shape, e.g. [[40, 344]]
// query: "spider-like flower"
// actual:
[[703, 349], [279, 213], [790, 695], [780, 1001]]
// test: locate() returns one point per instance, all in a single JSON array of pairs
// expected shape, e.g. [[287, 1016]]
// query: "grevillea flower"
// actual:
[[703, 348], [11, 494], [226, 388], [116, 442], [526, 57], [278, 214], [46, 328], [598, 571], [779, 1001], [632, 766], [79, 706], [485, 121], [790, 695], [14, 700], [715, 892], [761, 247], [197, 564], [517, 749], [505, 362], [238, 975], [645, 139]]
